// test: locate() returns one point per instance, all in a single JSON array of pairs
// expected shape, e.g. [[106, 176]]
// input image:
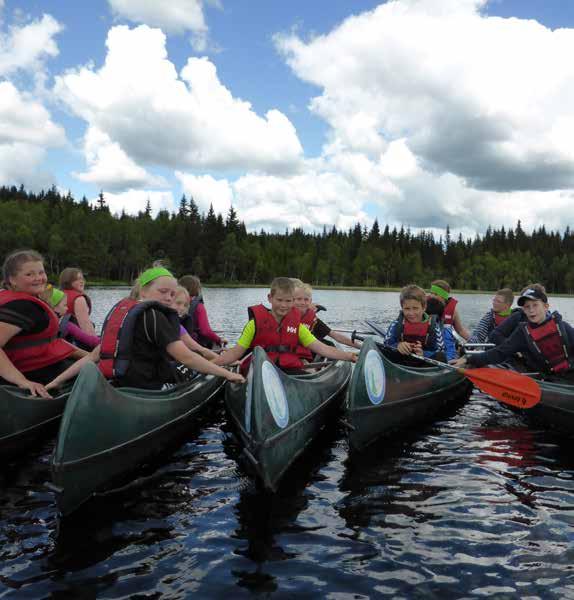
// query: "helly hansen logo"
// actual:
[[291, 329]]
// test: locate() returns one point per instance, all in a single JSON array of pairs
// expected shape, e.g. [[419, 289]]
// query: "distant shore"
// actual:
[[343, 288]]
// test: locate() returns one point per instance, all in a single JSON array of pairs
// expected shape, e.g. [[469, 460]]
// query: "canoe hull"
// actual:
[[108, 432], [277, 416], [556, 407], [383, 396], [25, 420]]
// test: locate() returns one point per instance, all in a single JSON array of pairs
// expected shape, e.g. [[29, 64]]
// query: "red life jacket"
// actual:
[[448, 314], [31, 351], [72, 296], [117, 334], [547, 341], [498, 319], [279, 340], [309, 319], [414, 332]]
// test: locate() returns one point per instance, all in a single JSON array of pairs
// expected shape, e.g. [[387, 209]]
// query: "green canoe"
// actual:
[[384, 396], [278, 415], [25, 418], [556, 407], [107, 432]]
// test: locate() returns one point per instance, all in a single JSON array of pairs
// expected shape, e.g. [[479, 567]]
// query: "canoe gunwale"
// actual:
[[379, 407], [61, 466]]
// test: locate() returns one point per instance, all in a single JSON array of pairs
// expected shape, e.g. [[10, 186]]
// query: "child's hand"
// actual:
[[235, 377], [404, 347], [418, 349]]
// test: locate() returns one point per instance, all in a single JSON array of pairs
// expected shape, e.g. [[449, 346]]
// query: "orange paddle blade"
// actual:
[[506, 386]]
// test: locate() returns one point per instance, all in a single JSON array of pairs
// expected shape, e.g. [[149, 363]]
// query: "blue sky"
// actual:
[[420, 113]]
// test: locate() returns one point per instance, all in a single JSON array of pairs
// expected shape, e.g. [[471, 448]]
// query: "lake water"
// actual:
[[477, 504]]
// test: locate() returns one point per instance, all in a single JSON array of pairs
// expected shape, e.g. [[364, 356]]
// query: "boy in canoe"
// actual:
[[414, 331], [280, 332], [440, 290], [303, 301], [505, 329], [500, 311], [544, 340]]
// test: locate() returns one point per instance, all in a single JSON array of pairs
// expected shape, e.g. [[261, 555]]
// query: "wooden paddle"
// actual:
[[506, 386]]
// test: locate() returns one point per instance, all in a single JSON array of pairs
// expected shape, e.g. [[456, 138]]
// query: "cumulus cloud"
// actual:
[[310, 200], [26, 47], [111, 168], [26, 131], [482, 99], [175, 16], [188, 121], [134, 201]]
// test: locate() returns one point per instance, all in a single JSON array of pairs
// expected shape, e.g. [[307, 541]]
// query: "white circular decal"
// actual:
[[374, 377], [275, 394]]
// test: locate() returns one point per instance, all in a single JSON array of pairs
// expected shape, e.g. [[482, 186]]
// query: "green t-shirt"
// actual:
[[248, 334]]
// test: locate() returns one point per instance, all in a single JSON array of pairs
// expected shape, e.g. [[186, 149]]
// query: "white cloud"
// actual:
[[26, 131], [159, 119], [134, 201], [25, 47], [110, 167], [207, 191], [450, 110], [175, 16], [310, 200]]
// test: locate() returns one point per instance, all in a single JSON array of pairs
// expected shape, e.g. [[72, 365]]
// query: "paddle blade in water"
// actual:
[[506, 386]]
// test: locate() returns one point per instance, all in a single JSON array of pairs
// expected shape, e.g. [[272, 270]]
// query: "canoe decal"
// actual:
[[248, 401], [375, 380], [275, 394]]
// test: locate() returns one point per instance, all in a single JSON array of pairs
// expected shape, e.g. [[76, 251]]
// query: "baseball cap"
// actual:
[[532, 294]]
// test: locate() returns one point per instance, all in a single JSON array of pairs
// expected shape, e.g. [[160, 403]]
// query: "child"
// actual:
[[303, 301], [197, 323], [435, 307], [31, 354], [505, 329], [181, 305], [279, 332], [414, 332], [500, 311], [69, 330], [141, 342], [545, 341], [440, 290], [72, 282]]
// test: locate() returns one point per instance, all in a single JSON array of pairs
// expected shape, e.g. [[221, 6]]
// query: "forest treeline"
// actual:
[[219, 249]]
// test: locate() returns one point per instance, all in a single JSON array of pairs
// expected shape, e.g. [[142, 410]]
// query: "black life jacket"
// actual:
[[117, 334]]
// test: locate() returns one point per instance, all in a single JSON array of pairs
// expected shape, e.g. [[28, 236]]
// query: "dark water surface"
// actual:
[[477, 504]]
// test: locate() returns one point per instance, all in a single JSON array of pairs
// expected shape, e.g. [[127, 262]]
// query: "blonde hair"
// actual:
[[299, 285], [282, 284], [14, 261], [179, 290], [413, 292]]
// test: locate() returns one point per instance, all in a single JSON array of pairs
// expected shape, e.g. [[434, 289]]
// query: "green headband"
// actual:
[[438, 291], [150, 274], [56, 297]]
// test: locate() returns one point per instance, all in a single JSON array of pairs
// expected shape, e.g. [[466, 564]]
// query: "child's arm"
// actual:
[[93, 356], [458, 326], [344, 339], [331, 352], [184, 355], [91, 341], [230, 356], [82, 313], [195, 347]]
